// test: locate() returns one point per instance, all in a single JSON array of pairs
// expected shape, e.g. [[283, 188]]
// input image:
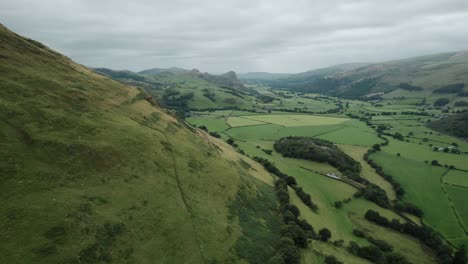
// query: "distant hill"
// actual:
[[429, 73], [174, 70], [93, 171], [258, 76], [455, 125], [188, 89]]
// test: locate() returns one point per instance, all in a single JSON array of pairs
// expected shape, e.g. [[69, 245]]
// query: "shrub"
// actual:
[[324, 234], [359, 233], [215, 134], [441, 102], [332, 260]]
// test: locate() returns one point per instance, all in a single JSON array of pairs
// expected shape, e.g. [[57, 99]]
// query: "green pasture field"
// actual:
[[422, 153], [298, 120], [300, 102], [235, 121], [274, 132], [404, 102], [406, 245], [456, 177], [423, 188], [215, 113], [352, 136], [357, 153], [325, 191], [355, 138], [459, 196], [217, 124]]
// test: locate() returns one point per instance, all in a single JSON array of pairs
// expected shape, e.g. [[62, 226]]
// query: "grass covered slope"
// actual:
[[438, 73], [92, 172], [185, 90], [456, 125]]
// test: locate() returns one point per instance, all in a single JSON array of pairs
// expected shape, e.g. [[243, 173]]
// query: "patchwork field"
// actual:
[[408, 161]]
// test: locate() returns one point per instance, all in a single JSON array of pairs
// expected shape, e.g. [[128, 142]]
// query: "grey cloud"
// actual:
[[244, 35]]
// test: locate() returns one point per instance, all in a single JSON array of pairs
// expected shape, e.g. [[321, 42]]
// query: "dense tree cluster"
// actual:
[[425, 234], [208, 94], [408, 208], [332, 260], [441, 102], [409, 87], [451, 88], [375, 194], [398, 136], [456, 125], [317, 150], [374, 254]]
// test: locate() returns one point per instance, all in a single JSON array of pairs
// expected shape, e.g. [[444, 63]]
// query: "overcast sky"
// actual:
[[245, 35]]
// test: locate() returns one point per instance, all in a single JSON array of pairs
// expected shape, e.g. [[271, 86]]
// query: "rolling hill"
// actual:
[[425, 73], [93, 171], [188, 90]]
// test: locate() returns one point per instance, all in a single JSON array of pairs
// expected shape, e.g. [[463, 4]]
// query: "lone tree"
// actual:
[[324, 234]]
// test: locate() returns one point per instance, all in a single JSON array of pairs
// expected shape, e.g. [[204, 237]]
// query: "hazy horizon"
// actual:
[[243, 36]]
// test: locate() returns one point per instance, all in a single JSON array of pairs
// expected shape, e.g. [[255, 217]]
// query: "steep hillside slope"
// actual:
[[93, 172], [425, 73]]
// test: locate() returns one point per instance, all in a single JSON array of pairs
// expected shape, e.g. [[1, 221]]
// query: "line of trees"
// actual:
[[425, 234], [291, 181], [295, 232]]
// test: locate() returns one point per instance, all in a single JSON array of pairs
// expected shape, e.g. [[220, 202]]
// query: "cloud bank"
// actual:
[[244, 35]]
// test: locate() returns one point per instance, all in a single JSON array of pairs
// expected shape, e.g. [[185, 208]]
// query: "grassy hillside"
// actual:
[[188, 90], [456, 125], [431, 73], [92, 171]]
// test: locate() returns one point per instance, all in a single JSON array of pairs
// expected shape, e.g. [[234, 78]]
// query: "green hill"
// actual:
[[92, 171], [189, 90], [426, 73], [261, 76], [455, 125], [154, 71]]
